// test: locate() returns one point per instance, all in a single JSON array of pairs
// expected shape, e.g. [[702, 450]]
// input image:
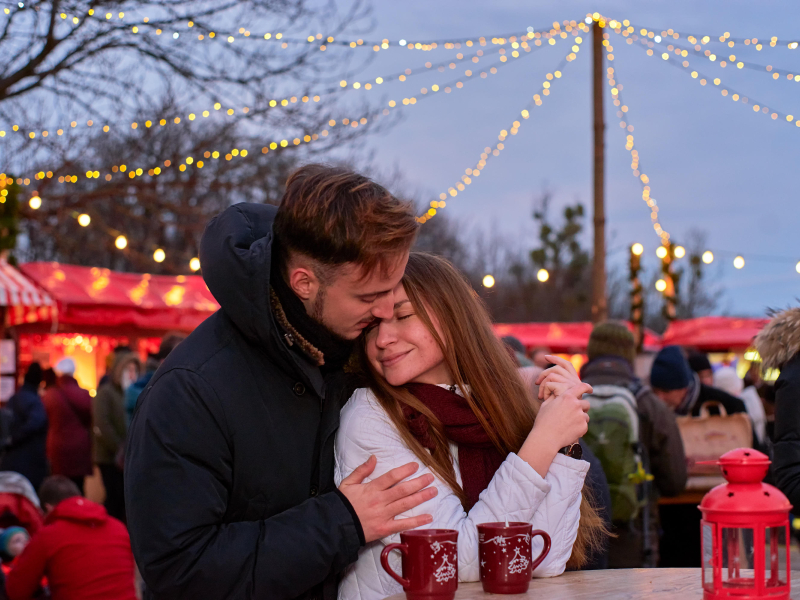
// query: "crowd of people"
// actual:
[[348, 390], [54, 435]]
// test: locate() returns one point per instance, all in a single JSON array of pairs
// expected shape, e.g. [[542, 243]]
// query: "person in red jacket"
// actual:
[[84, 553], [69, 437]]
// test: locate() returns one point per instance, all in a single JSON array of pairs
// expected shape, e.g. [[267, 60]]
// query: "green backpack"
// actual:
[[614, 438]]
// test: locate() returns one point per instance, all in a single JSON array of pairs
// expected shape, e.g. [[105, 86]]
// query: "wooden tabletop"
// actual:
[[619, 584]]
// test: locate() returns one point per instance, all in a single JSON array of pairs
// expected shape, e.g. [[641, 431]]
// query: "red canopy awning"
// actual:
[[561, 337], [25, 302], [95, 299], [714, 333]]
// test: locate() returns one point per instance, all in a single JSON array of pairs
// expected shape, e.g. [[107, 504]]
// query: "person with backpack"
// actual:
[[636, 438]]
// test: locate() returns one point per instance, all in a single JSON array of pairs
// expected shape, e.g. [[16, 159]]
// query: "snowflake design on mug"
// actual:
[[497, 540], [436, 546], [519, 563], [445, 572]]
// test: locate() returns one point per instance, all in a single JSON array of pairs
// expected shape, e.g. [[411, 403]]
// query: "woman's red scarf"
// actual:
[[478, 458]]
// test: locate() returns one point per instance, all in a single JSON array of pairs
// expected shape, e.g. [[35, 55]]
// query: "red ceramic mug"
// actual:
[[430, 563], [504, 550]]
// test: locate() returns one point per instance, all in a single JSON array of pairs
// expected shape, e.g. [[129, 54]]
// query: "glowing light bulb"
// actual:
[[661, 285], [84, 220], [35, 202], [797, 267], [661, 252], [159, 255], [708, 257], [542, 275], [488, 281], [637, 249], [121, 242], [738, 262], [680, 251], [194, 264]]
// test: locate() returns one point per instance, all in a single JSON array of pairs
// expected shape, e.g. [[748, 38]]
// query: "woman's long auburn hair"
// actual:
[[483, 371]]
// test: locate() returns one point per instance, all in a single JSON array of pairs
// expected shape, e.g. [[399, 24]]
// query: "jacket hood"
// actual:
[[779, 341], [78, 510], [122, 360], [235, 253]]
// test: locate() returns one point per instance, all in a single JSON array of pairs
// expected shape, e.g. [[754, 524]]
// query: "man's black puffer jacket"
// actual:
[[229, 464]]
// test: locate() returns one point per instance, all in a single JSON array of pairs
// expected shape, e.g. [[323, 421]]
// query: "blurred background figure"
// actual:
[[111, 428], [168, 344], [25, 449], [611, 352], [84, 553], [727, 380], [700, 364], [779, 347], [681, 389], [539, 355], [69, 436]]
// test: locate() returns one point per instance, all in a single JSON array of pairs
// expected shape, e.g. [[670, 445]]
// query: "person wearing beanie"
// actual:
[[699, 363], [681, 390], [25, 449], [611, 352], [13, 541], [673, 381]]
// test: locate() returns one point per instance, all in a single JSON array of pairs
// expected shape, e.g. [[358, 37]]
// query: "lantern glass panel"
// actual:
[[737, 558], [708, 556], [775, 556]]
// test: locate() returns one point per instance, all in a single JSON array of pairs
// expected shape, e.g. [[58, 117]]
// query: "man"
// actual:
[[229, 469], [612, 352], [69, 436], [679, 388], [84, 553], [26, 449], [674, 382]]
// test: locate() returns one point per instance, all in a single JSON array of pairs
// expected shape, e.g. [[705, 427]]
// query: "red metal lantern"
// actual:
[[745, 532]]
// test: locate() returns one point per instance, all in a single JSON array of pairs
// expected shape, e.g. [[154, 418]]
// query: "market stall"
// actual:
[[99, 309], [21, 302]]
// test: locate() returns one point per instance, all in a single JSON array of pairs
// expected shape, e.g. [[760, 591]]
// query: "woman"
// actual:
[[443, 392]]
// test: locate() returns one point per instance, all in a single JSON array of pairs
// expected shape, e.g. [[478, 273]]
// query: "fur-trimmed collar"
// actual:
[[779, 341], [293, 336]]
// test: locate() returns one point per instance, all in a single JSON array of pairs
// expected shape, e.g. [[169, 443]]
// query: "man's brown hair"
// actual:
[[336, 216]]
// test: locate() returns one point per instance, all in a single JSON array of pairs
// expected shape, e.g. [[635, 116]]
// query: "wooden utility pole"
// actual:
[[599, 305]]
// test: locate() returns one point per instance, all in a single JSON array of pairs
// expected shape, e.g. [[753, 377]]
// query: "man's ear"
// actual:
[[303, 282]]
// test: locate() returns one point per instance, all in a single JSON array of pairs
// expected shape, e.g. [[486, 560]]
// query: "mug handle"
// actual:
[[545, 550], [404, 549]]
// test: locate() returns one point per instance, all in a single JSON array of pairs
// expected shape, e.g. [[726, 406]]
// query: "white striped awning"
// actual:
[[18, 290]]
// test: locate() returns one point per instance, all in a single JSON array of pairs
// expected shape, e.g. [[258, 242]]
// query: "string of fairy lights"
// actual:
[[343, 85], [616, 88], [517, 45], [152, 171], [725, 90], [159, 255], [488, 151], [521, 44], [187, 24]]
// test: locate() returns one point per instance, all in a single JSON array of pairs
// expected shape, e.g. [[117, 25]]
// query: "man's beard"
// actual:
[[318, 307]]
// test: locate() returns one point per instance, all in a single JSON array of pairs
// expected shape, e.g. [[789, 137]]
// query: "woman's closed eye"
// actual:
[[404, 317]]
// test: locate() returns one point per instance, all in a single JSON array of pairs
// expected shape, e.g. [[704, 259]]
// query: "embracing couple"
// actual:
[[240, 485]]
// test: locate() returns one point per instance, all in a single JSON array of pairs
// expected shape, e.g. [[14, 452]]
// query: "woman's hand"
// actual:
[[561, 421], [557, 379]]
